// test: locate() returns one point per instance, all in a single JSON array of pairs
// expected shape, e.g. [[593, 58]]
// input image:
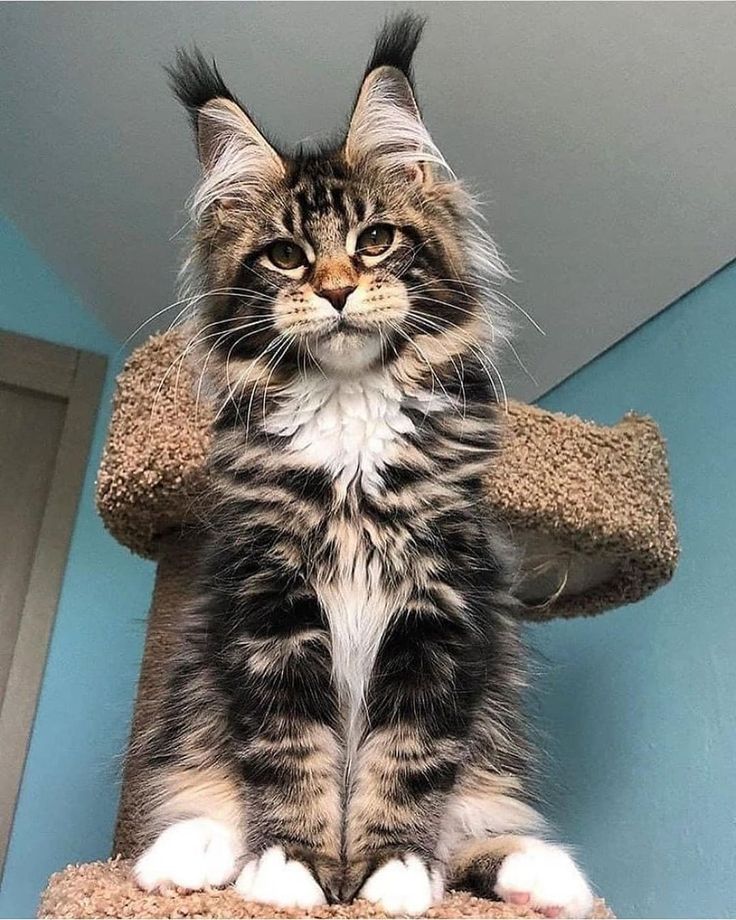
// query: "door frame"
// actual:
[[78, 378]]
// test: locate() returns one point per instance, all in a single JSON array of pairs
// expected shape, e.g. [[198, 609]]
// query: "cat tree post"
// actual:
[[590, 507]]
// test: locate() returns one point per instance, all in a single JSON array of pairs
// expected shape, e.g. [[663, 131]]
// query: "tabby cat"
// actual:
[[343, 718]]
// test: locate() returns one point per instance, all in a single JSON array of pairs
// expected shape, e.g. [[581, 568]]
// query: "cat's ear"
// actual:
[[386, 127], [223, 130]]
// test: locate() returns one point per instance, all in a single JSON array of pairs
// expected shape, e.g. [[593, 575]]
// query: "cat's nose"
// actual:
[[337, 296]]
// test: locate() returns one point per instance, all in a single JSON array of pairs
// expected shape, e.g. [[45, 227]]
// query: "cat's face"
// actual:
[[338, 266], [354, 256], [336, 262]]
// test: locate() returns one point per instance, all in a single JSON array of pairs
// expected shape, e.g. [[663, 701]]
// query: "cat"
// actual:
[[344, 716]]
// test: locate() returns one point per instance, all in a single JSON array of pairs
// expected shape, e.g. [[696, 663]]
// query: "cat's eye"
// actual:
[[286, 255], [375, 240]]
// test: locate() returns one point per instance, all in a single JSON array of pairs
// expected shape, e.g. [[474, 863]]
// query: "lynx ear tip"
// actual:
[[397, 42], [195, 81]]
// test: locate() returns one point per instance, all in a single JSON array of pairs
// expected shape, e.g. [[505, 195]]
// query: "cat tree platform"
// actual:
[[590, 506], [105, 889]]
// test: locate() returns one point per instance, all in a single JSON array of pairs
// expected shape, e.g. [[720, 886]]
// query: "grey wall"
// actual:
[[600, 135]]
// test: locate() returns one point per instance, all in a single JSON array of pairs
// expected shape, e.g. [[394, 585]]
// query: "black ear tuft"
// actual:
[[396, 43], [195, 81]]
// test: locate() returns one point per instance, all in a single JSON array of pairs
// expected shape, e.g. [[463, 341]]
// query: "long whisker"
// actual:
[[314, 360], [190, 302], [230, 391], [197, 339], [239, 384], [261, 324], [515, 353], [177, 361], [472, 344], [487, 356], [289, 340], [423, 297], [458, 373], [484, 359], [278, 342], [424, 358], [245, 377], [482, 286]]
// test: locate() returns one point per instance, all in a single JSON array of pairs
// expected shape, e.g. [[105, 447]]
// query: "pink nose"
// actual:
[[337, 296]]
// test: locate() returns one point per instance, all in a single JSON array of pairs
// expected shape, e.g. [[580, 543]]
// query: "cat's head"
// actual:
[[357, 254]]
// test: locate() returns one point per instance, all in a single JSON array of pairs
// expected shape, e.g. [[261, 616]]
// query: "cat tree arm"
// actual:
[[590, 506]]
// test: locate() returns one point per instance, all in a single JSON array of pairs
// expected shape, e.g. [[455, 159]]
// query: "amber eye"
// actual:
[[286, 255], [375, 240]]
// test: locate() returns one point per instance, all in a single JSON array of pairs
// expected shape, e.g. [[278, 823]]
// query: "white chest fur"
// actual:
[[359, 605], [350, 427]]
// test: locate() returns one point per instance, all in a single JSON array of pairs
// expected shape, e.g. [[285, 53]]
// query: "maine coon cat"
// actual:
[[344, 716]]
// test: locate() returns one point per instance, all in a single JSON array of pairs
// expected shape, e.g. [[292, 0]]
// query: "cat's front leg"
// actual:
[[284, 717], [420, 703]]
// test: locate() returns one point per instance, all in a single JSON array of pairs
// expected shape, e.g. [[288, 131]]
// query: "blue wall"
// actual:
[[69, 793], [639, 703]]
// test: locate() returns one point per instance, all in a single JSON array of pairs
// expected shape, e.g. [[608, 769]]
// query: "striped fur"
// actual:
[[347, 694]]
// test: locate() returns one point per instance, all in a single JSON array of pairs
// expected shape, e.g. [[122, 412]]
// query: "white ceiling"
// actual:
[[602, 136]]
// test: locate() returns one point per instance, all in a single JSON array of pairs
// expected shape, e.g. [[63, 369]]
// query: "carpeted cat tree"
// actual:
[[590, 507]]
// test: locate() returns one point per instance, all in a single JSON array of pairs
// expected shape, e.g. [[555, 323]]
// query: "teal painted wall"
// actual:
[[639, 704], [69, 792]]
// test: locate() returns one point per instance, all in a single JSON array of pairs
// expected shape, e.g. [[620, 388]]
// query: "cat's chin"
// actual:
[[347, 352]]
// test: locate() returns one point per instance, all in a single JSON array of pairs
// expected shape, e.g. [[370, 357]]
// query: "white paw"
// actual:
[[274, 879], [403, 886], [544, 877], [191, 854]]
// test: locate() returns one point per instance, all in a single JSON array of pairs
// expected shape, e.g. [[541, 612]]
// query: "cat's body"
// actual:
[[344, 716]]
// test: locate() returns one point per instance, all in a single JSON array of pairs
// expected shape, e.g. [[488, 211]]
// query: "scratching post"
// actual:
[[589, 506]]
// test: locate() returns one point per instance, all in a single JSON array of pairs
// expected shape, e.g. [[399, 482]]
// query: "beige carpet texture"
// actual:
[[105, 889], [589, 506]]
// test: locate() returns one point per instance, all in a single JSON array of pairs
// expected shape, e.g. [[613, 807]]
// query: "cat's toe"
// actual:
[[544, 877], [193, 854], [275, 879], [403, 886]]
